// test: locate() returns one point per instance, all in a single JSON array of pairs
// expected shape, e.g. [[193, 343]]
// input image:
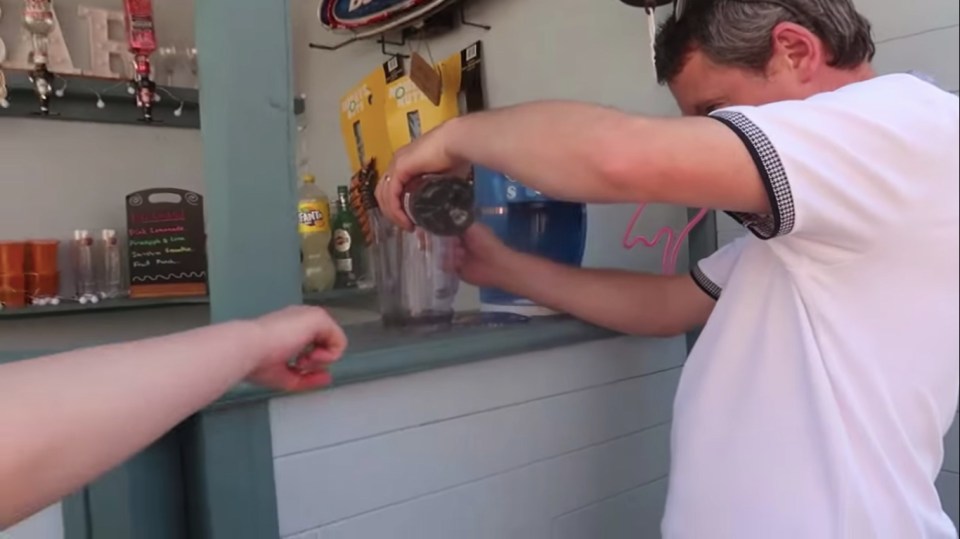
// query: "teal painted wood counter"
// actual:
[[377, 352]]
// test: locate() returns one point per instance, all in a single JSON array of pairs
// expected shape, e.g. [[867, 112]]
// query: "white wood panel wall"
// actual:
[[47, 524], [561, 444]]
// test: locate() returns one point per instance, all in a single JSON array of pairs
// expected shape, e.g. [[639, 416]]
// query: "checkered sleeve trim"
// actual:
[[773, 174], [711, 288]]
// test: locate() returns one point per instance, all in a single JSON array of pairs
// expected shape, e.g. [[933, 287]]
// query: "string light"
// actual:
[[59, 92], [100, 102], [179, 110]]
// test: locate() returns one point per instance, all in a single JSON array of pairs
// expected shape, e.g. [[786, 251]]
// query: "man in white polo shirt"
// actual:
[[816, 399]]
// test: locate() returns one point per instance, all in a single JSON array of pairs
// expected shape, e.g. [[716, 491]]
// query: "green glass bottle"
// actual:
[[346, 245]]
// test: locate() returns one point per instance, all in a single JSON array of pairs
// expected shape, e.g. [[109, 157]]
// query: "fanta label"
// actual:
[[314, 216]]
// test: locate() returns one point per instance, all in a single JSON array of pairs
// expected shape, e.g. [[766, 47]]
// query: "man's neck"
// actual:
[[837, 78]]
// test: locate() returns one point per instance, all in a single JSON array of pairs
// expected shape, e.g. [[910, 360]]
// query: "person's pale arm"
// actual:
[[67, 418], [627, 302]]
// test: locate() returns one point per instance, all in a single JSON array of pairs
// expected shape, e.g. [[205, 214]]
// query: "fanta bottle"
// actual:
[[319, 273]]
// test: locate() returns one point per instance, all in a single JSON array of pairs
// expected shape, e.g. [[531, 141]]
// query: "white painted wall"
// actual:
[[93, 166], [47, 524], [567, 443], [569, 49], [59, 176]]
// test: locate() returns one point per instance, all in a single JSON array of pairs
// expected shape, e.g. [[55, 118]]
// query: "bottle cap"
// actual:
[[309, 178], [108, 234]]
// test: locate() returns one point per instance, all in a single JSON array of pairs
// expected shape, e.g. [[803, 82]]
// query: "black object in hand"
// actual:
[[440, 204]]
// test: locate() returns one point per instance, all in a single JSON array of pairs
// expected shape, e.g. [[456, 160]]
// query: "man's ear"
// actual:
[[796, 49]]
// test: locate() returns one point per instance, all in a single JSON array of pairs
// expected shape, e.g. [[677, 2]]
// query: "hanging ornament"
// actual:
[[142, 41], [58, 57], [38, 21]]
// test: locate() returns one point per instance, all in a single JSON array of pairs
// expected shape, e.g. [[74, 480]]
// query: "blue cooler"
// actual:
[[531, 223]]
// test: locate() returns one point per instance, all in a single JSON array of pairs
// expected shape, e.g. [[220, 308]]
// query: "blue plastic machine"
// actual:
[[531, 223]]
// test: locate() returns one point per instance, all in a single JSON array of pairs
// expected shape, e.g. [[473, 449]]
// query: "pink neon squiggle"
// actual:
[[671, 251]]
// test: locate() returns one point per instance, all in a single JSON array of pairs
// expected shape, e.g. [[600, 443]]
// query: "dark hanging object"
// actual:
[[647, 3], [440, 204]]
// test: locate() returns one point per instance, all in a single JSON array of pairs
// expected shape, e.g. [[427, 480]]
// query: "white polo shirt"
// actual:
[[815, 402]]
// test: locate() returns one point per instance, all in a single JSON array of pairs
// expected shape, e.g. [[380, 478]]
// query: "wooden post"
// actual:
[[248, 130], [247, 127]]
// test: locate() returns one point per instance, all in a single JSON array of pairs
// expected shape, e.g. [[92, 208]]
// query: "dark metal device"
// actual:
[[647, 3]]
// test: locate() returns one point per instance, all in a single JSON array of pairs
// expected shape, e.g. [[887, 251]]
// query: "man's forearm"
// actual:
[[61, 408], [589, 153], [628, 302], [557, 147]]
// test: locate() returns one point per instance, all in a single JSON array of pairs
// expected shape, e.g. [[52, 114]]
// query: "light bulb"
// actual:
[[100, 103], [156, 98], [4, 103], [178, 112], [131, 90]]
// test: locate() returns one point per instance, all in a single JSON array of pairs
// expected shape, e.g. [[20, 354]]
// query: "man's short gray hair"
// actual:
[[738, 33]]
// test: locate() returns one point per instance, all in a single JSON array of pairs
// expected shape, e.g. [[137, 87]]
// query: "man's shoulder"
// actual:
[[868, 115], [898, 94]]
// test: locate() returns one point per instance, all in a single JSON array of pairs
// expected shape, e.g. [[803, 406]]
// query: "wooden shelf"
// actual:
[[79, 102], [68, 307]]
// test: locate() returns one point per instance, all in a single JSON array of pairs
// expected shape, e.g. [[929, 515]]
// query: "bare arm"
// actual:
[[628, 302], [66, 419], [583, 152], [591, 153]]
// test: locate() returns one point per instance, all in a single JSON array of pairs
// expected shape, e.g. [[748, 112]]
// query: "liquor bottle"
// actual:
[[346, 247], [439, 204], [142, 42], [38, 20], [314, 214]]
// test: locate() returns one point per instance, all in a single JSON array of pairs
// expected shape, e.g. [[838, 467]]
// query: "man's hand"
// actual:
[[588, 153], [483, 260], [305, 333], [427, 155]]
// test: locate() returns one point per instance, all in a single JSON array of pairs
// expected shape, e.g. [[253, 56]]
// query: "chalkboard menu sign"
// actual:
[[166, 243]]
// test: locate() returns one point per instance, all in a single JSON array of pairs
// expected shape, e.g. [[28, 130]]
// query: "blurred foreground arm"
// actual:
[[66, 419]]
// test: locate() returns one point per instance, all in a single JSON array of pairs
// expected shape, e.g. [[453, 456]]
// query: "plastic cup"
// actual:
[[12, 257], [42, 256], [12, 290], [42, 285]]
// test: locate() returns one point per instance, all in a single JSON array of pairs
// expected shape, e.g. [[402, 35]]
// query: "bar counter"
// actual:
[[415, 420]]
